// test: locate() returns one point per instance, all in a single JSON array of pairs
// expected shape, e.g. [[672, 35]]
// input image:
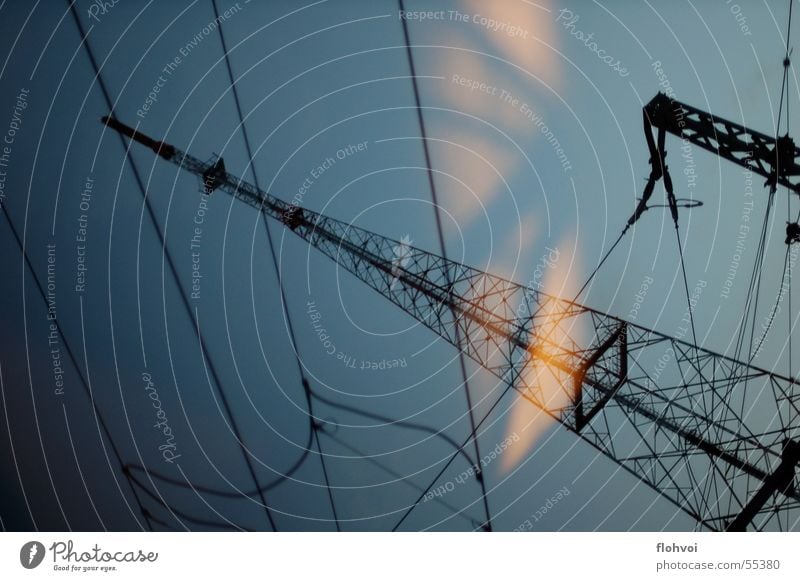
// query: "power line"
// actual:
[[405, 424], [786, 65], [755, 280], [400, 423], [172, 267], [659, 404], [284, 305], [454, 455], [84, 382], [182, 514], [443, 248], [400, 477], [754, 287]]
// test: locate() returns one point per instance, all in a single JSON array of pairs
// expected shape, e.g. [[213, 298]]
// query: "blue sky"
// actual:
[[537, 146]]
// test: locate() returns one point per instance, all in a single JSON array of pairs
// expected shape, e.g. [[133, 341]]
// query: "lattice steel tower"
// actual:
[[717, 437]]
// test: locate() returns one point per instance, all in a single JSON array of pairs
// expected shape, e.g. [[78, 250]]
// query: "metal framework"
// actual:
[[772, 158], [716, 437]]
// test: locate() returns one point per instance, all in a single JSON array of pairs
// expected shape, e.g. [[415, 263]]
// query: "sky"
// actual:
[[532, 111]]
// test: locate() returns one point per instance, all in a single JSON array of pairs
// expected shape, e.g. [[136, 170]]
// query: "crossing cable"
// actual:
[[84, 382], [753, 353], [774, 310], [227, 493], [755, 286], [179, 513], [786, 262], [599, 265], [658, 158], [151, 213], [784, 97], [752, 288], [786, 65], [400, 423], [760, 277], [158, 521], [284, 304], [658, 171], [399, 477], [406, 424], [686, 285], [755, 280], [455, 454], [785, 81], [434, 198]]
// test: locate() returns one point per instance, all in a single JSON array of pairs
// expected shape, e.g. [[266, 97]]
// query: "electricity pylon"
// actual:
[[771, 158], [715, 436]]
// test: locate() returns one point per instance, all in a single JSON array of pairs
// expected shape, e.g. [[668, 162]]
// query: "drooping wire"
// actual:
[[787, 263], [399, 477], [399, 423], [304, 381], [760, 277], [689, 305], [754, 279], [774, 310], [158, 521], [686, 289], [725, 402], [510, 385], [84, 382], [756, 275], [599, 265], [228, 493], [747, 319], [443, 248], [232, 494], [151, 213], [613, 247], [784, 101], [673, 206], [785, 81], [180, 513], [784, 98], [657, 172], [406, 424]]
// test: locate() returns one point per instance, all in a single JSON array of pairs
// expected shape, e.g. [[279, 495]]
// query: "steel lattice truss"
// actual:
[[774, 159], [716, 437]]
